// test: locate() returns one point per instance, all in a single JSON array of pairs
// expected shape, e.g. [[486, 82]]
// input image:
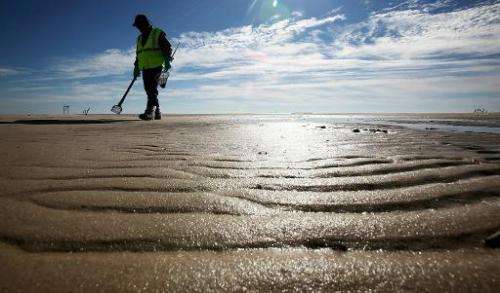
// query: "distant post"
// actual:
[[86, 111], [65, 110]]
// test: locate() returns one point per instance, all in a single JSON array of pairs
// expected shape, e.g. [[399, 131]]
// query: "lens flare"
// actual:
[[265, 11]]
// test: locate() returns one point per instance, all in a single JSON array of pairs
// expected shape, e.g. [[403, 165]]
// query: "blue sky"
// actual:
[[259, 56]]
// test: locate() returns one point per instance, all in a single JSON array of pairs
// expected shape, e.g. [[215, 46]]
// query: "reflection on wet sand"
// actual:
[[247, 203]]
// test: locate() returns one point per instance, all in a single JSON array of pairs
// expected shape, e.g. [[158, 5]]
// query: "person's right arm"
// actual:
[[137, 71]]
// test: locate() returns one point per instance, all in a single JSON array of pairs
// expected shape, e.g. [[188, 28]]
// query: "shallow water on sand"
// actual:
[[438, 122]]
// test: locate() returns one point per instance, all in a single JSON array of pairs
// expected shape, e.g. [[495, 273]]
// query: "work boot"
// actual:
[[147, 115], [157, 113]]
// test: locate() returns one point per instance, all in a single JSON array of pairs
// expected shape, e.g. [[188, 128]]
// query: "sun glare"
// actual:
[[263, 11]]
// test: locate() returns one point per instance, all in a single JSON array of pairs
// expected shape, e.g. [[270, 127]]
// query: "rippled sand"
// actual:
[[247, 203]]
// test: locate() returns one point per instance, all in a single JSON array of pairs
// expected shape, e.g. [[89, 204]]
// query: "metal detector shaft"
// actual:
[[175, 51], [172, 57], [128, 90]]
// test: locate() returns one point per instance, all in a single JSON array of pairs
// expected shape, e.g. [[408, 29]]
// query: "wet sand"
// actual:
[[248, 203]]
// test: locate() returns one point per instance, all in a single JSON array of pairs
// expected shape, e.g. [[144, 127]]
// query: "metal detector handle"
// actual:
[[173, 54], [175, 51], [128, 90], [172, 58]]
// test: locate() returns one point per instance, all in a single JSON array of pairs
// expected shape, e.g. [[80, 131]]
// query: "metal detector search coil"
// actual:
[[117, 109]]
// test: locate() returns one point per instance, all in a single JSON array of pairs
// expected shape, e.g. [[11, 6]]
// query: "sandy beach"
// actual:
[[250, 203]]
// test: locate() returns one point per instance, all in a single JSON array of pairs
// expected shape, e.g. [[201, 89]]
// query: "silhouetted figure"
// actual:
[[153, 52]]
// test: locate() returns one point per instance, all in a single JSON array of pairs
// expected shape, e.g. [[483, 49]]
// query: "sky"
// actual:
[[255, 56]]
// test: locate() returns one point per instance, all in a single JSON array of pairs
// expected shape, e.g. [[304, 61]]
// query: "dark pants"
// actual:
[[150, 79]]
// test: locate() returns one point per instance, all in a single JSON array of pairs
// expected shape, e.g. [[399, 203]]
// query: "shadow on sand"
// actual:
[[65, 122]]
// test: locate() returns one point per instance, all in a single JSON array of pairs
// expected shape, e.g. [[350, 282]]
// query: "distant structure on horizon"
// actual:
[[66, 110], [480, 110], [86, 111]]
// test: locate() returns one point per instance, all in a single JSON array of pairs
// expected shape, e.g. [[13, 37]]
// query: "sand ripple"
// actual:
[[188, 204]]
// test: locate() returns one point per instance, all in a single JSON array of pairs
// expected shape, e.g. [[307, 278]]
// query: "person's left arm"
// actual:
[[166, 49]]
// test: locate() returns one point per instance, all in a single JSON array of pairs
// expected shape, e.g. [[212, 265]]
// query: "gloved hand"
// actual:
[[137, 72]]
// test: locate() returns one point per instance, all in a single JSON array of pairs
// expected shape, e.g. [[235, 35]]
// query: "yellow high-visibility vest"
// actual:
[[150, 55]]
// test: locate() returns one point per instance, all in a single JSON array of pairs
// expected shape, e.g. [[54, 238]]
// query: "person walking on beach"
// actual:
[[153, 52]]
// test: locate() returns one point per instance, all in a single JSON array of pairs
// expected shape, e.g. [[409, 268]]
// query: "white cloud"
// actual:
[[297, 14], [408, 54], [6, 71], [110, 62], [413, 34]]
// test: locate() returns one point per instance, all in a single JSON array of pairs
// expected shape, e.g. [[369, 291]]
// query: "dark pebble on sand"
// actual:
[[262, 153], [372, 130], [322, 127]]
